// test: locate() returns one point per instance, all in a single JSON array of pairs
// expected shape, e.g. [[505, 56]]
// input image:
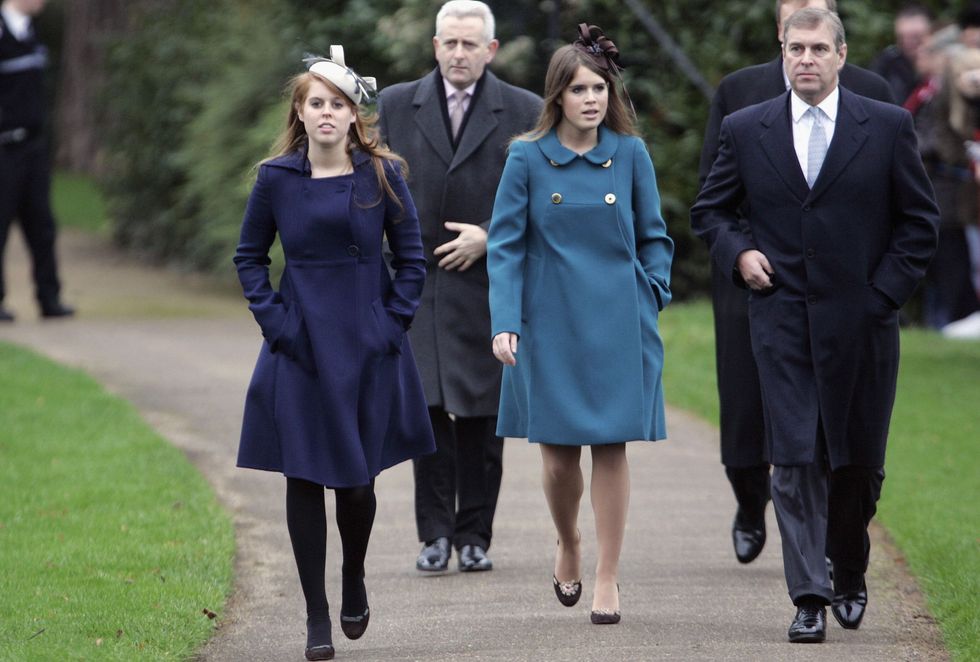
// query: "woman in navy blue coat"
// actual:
[[579, 264], [335, 397]]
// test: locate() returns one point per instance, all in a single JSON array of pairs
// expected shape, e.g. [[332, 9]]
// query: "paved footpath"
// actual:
[[182, 351]]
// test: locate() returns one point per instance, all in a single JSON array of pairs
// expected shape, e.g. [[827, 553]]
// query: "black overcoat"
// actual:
[[451, 332], [740, 397], [847, 254]]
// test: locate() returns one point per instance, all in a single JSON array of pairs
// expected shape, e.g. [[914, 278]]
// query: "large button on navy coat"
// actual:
[[335, 397]]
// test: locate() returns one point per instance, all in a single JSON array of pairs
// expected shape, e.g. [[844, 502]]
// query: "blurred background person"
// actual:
[[897, 63], [25, 163]]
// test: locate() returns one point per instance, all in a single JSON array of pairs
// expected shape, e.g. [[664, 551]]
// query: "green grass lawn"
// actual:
[[77, 203], [931, 497], [111, 544]]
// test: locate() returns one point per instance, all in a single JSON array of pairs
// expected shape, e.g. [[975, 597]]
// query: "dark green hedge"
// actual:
[[196, 96]]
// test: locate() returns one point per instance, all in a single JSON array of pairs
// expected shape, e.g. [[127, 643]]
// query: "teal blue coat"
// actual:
[[579, 263]]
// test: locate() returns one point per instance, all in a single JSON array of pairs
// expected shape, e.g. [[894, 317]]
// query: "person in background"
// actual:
[[25, 162], [452, 127], [743, 444], [896, 64], [335, 397], [579, 262], [824, 298]]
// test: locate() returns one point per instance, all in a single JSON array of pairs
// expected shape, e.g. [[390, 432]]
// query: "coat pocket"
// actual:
[[294, 340], [390, 331]]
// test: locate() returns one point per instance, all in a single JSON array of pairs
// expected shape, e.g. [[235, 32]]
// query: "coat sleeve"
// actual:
[[252, 260], [915, 224], [654, 248], [507, 243], [714, 216], [405, 242]]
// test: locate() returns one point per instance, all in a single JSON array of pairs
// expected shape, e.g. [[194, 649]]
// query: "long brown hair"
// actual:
[[363, 133], [561, 70]]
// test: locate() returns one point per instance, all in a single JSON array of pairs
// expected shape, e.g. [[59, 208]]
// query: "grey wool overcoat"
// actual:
[[451, 331]]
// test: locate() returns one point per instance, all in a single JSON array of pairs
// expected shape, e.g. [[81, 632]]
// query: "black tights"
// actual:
[[306, 518]]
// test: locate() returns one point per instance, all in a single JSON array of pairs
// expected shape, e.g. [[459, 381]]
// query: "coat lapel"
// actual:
[[482, 120], [849, 137], [777, 143], [428, 117]]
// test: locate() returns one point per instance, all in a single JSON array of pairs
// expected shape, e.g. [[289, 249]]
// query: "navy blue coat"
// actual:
[[335, 397], [846, 254]]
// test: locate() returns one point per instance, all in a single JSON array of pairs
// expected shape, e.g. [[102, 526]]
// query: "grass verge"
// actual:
[[77, 202], [112, 545], [929, 501]]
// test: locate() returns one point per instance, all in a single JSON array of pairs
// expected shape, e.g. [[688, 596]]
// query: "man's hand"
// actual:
[[464, 250], [755, 269], [505, 347]]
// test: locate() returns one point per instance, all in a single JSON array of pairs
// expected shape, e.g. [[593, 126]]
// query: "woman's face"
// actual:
[[585, 100], [326, 115], [968, 83]]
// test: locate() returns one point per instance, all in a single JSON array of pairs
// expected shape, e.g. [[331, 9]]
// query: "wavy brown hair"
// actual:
[[561, 70], [363, 133]]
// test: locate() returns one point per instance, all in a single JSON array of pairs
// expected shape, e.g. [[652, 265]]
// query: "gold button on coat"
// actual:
[[610, 198], [556, 198], [553, 162], [607, 163]]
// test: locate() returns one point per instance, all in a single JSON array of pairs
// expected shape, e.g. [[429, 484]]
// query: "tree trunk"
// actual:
[[89, 27]]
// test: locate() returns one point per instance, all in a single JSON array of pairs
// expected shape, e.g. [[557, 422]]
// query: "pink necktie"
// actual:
[[456, 116]]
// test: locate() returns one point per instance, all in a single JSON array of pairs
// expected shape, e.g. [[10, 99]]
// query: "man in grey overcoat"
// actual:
[[453, 126]]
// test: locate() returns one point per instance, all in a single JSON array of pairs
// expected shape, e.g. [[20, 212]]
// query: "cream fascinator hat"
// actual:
[[334, 69]]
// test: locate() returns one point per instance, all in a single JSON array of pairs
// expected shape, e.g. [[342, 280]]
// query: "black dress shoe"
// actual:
[[473, 558], [6, 315], [809, 626], [748, 543], [434, 557], [56, 309], [848, 607]]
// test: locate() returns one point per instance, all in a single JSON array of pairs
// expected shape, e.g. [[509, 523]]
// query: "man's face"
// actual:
[[812, 63], [910, 34], [462, 51], [787, 9]]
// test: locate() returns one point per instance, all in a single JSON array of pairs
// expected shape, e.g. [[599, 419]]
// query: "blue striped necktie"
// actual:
[[816, 147]]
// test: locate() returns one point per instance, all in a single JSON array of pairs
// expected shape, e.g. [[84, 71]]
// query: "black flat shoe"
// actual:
[[809, 626], [354, 626], [848, 607], [473, 558], [568, 592], [434, 557], [605, 616], [56, 309], [319, 641]]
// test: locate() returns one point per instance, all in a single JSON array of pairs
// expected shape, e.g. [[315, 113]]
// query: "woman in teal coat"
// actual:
[[579, 263]]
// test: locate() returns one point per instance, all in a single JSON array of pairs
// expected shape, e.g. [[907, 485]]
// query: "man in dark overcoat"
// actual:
[[842, 223], [743, 448], [453, 127]]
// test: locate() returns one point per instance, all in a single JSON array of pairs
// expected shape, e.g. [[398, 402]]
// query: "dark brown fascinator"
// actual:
[[599, 47]]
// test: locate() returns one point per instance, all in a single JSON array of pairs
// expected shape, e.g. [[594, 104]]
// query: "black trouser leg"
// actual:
[[306, 518], [38, 225], [435, 482], [852, 502], [752, 492], [477, 490], [11, 176], [356, 507]]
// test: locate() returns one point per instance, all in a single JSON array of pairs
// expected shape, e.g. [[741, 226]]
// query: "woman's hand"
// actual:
[[505, 347]]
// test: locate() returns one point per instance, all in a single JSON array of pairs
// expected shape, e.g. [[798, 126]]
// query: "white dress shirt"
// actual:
[[19, 24], [803, 122]]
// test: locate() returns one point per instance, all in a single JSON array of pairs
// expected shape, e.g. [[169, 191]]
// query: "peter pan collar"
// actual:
[[558, 154]]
